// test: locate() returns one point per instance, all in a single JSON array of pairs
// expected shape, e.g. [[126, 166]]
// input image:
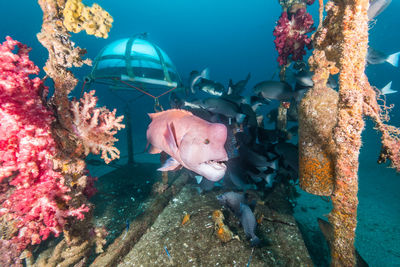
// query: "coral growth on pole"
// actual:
[[34, 199], [44, 183], [341, 44], [94, 20]]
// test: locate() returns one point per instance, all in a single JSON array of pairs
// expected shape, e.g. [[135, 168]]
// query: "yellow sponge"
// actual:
[[94, 20]]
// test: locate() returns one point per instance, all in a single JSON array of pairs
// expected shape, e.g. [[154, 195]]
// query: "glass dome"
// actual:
[[136, 61]]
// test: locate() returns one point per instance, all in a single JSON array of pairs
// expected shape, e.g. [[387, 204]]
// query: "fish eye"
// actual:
[[206, 141]]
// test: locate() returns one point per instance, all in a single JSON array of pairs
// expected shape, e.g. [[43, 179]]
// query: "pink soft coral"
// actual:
[[96, 127], [33, 196], [291, 35]]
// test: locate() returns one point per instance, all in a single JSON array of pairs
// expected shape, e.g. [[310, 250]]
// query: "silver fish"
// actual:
[[376, 7], [377, 57]]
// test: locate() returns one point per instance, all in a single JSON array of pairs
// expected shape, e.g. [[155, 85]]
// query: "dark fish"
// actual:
[[377, 57], [175, 101], [269, 136], [255, 101], [205, 184], [289, 153], [292, 112], [211, 87], [195, 77], [294, 129], [300, 65], [219, 106], [235, 178], [239, 87], [202, 113], [257, 160], [251, 116], [249, 223], [272, 115], [281, 91], [237, 99], [243, 138], [376, 7], [232, 201], [231, 144], [327, 231], [303, 79]]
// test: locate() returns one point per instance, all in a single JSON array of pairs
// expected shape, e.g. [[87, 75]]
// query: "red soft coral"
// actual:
[[33, 196], [291, 35]]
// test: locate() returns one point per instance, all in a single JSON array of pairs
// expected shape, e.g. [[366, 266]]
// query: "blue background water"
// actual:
[[233, 38]]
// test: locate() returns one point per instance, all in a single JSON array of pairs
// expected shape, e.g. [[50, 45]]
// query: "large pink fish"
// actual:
[[191, 142]]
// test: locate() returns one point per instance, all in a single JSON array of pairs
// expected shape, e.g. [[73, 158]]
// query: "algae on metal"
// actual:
[[196, 243]]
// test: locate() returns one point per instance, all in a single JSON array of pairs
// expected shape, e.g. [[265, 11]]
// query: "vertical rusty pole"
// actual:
[[347, 133]]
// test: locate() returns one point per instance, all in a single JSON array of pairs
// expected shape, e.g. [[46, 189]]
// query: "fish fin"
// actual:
[[256, 178], [256, 106], [230, 90], [199, 178], [191, 105], [154, 150], [192, 86], [262, 169], [260, 121], [273, 165], [240, 118], [246, 100], [170, 165], [387, 89], [205, 73], [270, 179], [393, 59], [170, 137], [152, 115]]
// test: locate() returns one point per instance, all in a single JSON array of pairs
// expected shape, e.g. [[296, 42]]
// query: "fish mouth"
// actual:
[[216, 164], [213, 170]]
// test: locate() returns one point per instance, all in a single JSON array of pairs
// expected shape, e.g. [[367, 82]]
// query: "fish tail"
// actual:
[[388, 89], [394, 59]]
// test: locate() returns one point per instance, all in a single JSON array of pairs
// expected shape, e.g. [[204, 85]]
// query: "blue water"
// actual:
[[233, 38]]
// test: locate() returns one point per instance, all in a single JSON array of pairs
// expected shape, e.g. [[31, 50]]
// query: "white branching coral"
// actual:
[[96, 127]]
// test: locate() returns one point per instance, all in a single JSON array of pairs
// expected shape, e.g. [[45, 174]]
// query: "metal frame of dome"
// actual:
[[147, 69]]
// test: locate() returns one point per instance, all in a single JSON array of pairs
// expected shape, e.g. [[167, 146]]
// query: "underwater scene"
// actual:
[[199, 133]]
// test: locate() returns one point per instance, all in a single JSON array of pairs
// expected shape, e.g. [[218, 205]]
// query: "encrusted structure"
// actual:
[[44, 183], [341, 44]]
